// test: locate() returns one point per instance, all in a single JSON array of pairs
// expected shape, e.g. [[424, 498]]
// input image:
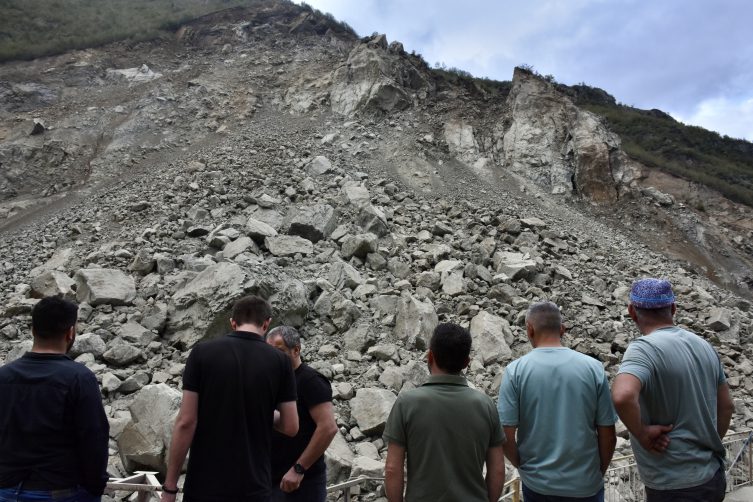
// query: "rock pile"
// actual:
[[313, 211]]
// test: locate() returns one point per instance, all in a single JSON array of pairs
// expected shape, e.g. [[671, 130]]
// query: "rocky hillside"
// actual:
[[265, 151]]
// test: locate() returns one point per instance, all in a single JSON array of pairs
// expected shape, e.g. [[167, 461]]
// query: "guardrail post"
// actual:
[[750, 458], [516, 490], [346, 495]]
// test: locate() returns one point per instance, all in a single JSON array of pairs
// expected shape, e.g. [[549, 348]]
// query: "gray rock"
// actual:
[[370, 408], [339, 459], [358, 245], [143, 263], [373, 220], [415, 321], [288, 245], [52, 283], [319, 165], [491, 336], [369, 467], [259, 230], [88, 343], [358, 337], [357, 195], [145, 440], [238, 246], [342, 275], [515, 265], [97, 286], [155, 317], [122, 355], [311, 222], [719, 319]]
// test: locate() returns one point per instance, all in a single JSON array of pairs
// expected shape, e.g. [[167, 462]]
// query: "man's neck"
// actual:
[[250, 328], [296, 363], [46, 349], [647, 329], [548, 342]]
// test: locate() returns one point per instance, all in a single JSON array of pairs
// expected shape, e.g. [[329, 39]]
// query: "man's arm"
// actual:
[[286, 421], [393, 472], [495, 472], [511, 446], [725, 407], [625, 394], [92, 436], [326, 428], [607, 437], [183, 432]]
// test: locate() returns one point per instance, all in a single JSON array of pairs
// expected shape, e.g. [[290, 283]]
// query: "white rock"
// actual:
[[97, 286], [371, 407]]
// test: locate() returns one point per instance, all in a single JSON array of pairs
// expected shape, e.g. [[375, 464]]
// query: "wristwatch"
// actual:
[[299, 469], [168, 490]]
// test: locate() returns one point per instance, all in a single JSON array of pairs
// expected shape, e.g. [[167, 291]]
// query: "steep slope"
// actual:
[[367, 196]]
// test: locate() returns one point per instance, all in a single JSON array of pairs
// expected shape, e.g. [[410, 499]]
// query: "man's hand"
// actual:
[[655, 438], [291, 481], [168, 497]]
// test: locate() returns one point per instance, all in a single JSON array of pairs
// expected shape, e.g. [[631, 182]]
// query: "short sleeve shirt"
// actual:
[[556, 397], [680, 374], [446, 428], [313, 389], [240, 381]]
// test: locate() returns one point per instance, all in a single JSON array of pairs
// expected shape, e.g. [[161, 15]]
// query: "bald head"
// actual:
[[545, 318]]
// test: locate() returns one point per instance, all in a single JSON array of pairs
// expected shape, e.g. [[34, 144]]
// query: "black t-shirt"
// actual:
[[240, 381], [313, 389]]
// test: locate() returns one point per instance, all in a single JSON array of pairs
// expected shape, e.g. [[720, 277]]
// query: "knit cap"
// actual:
[[652, 293]]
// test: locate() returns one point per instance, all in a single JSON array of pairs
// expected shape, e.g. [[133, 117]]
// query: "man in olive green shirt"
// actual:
[[447, 430]]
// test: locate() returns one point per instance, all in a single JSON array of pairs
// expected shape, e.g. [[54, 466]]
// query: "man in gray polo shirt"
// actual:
[[672, 395], [558, 402], [447, 430]]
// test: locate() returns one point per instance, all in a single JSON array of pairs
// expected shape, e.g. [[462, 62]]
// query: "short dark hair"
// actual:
[[451, 346], [251, 309], [52, 316]]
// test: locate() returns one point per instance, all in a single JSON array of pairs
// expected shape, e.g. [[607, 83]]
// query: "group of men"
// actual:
[[558, 415], [257, 420]]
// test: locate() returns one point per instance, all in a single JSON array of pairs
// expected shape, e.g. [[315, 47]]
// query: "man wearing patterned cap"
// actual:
[[672, 395]]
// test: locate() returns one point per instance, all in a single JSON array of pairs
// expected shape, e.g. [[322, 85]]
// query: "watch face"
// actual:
[[299, 468]]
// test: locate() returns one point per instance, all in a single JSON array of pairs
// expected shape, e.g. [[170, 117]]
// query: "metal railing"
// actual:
[[622, 482]]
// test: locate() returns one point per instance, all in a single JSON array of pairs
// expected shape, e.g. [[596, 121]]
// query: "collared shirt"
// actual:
[[53, 429], [680, 374], [556, 397], [446, 428]]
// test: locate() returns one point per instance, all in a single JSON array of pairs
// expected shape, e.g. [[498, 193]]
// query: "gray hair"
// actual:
[[290, 336], [544, 316]]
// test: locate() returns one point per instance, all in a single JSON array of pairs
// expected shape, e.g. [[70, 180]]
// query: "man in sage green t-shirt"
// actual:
[[558, 402], [672, 395], [447, 430]]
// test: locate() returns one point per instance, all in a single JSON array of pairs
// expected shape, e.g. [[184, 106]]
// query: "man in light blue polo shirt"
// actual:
[[558, 401], [672, 395]]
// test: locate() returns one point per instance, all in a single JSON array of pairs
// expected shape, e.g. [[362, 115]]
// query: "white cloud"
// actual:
[[728, 116]]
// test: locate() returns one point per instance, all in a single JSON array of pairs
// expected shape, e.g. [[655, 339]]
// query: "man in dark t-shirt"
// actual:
[[298, 470], [236, 390]]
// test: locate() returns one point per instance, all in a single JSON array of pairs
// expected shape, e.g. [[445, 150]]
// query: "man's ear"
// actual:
[[467, 362], [233, 324], [529, 330], [265, 325], [430, 357], [674, 309], [70, 335], [562, 330], [632, 313]]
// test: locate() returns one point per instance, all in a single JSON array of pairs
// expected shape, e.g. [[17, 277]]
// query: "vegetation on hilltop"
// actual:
[[35, 28]]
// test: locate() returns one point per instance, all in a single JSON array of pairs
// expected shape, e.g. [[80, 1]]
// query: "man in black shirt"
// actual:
[[236, 389], [298, 469], [53, 429]]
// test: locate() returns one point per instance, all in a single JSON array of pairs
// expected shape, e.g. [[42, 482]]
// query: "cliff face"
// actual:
[[562, 147]]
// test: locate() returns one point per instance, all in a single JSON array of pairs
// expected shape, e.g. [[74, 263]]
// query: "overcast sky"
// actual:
[[690, 58]]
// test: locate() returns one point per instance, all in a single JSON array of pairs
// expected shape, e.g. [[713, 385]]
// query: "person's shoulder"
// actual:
[[586, 360], [310, 374]]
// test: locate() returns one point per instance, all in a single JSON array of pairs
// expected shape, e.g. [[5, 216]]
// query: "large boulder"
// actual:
[[415, 321], [491, 338], [358, 245], [288, 245], [371, 407], [202, 307], [52, 283], [339, 459], [145, 440], [515, 265], [311, 222], [343, 275], [98, 286]]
